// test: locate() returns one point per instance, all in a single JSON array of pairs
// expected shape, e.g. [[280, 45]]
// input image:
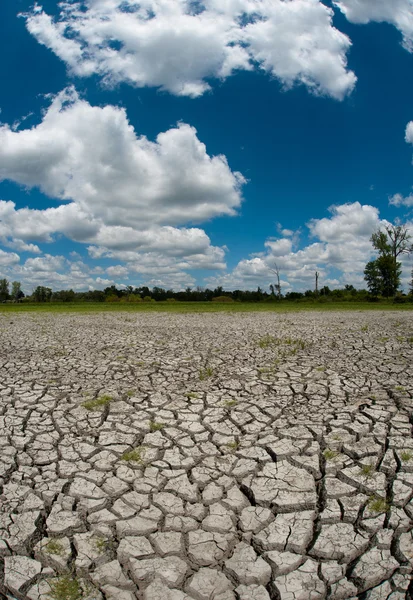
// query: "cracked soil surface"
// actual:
[[206, 456]]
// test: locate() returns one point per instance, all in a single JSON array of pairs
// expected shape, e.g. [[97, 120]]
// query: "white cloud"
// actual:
[[179, 45], [409, 133], [92, 156], [396, 12], [342, 246], [400, 200], [122, 193], [8, 258]]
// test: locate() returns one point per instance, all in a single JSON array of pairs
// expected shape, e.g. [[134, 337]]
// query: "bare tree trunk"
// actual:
[[316, 283]]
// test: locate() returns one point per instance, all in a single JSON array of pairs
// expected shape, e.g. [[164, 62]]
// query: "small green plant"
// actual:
[[102, 544], [205, 373], [66, 587], [400, 388], [330, 454], [130, 393], [55, 547], [230, 403], [135, 455], [377, 504], [365, 328], [384, 339], [410, 340], [406, 455], [400, 338], [97, 403], [320, 369], [266, 341], [367, 471], [233, 446], [154, 426], [191, 395], [139, 363]]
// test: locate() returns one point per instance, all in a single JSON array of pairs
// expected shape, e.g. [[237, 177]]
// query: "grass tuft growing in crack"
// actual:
[[55, 547], [97, 403], [377, 504], [230, 403], [206, 373], [330, 454], [367, 471], [66, 587], [154, 426], [406, 455], [135, 455]]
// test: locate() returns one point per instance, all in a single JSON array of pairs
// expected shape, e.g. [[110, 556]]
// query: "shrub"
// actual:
[[222, 299]]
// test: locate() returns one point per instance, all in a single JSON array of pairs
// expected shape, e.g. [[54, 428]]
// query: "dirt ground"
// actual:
[[206, 456]]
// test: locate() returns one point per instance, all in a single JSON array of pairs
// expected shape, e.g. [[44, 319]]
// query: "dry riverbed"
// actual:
[[206, 456]]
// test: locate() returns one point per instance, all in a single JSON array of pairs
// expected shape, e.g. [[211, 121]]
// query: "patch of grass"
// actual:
[[55, 547], [320, 369], [233, 446], [206, 373], [330, 454], [100, 402], [200, 307], [400, 388], [65, 587], [406, 455], [364, 328], [140, 363], [377, 504], [267, 341], [400, 338], [230, 403], [367, 471], [191, 395], [102, 544], [135, 455], [130, 393], [154, 426], [384, 339]]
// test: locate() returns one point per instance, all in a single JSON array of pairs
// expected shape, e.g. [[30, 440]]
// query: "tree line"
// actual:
[[382, 276]]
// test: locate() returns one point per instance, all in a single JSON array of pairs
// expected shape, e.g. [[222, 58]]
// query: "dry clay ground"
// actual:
[[206, 456]]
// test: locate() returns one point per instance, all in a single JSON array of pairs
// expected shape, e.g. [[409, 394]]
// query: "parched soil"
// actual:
[[206, 456]]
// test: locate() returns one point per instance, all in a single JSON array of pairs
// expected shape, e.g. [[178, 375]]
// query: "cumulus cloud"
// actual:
[[180, 45], [400, 200], [396, 12], [342, 246], [8, 258], [93, 157], [120, 192]]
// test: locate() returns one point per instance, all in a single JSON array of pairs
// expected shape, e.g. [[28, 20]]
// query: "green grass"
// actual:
[[194, 307], [377, 504], [97, 403], [406, 455], [154, 426], [55, 547], [135, 455], [367, 471], [233, 446], [65, 587], [191, 395], [206, 373], [330, 454], [230, 403]]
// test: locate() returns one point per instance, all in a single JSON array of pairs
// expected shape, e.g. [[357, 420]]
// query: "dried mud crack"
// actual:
[[206, 456]]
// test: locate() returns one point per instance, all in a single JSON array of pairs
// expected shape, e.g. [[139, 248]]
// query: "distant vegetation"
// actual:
[[144, 295]]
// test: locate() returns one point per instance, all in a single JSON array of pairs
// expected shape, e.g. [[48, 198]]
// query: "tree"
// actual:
[[277, 286], [16, 291], [4, 290], [383, 274]]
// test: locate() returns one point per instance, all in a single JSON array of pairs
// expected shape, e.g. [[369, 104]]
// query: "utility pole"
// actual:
[[316, 282]]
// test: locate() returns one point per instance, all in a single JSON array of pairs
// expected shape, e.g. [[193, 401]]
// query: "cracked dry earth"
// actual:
[[206, 456]]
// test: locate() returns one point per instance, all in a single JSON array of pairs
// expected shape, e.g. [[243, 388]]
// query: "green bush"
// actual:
[[222, 299]]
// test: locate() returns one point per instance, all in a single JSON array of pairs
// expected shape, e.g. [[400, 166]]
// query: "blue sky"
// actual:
[[162, 144]]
